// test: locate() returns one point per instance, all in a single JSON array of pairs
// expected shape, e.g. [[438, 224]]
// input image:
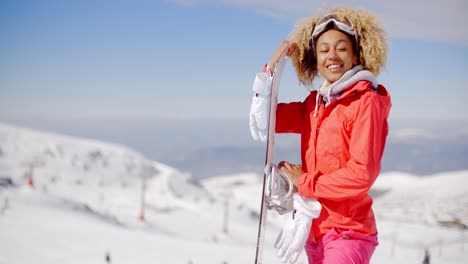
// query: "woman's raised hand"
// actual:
[[285, 44]]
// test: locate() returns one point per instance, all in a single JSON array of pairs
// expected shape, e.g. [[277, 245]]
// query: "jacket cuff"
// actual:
[[306, 186], [266, 69]]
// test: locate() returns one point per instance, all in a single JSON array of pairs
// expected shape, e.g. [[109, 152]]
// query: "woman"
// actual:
[[343, 127]]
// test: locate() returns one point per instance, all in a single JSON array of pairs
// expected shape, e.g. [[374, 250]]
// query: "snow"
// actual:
[[87, 198]]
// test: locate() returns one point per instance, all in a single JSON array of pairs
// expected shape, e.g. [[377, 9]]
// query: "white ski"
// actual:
[[269, 157]]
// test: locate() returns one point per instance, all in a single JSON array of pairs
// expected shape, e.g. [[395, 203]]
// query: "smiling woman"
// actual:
[[343, 127], [337, 46]]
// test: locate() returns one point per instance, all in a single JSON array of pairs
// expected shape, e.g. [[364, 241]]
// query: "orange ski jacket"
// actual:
[[341, 152]]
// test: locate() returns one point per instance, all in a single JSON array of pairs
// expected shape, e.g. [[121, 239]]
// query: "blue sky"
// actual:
[[197, 59]]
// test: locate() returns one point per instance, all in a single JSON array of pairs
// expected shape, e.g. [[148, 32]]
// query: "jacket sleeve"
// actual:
[[367, 142], [289, 117]]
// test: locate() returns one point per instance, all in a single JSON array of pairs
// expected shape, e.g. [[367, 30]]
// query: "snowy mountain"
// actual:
[[103, 177], [87, 197]]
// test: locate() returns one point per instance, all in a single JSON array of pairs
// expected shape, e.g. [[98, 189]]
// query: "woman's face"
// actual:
[[335, 55]]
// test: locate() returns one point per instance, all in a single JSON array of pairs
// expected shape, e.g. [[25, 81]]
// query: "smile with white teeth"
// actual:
[[334, 66]]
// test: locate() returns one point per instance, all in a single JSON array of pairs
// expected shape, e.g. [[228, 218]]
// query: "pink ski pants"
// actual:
[[342, 247]]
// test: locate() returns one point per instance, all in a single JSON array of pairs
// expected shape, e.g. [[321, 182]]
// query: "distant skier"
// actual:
[[5, 206], [108, 258], [427, 256], [343, 127]]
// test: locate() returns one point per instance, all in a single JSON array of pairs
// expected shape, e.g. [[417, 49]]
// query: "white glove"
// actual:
[[260, 109], [292, 239]]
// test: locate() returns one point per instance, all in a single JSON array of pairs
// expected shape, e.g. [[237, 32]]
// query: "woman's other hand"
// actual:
[[293, 171]]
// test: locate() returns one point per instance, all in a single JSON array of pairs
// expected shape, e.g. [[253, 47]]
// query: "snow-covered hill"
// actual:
[[106, 178], [87, 196]]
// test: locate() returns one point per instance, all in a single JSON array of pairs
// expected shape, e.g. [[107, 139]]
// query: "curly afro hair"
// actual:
[[372, 43]]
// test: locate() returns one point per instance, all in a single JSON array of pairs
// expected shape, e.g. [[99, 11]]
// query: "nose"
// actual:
[[332, 54]]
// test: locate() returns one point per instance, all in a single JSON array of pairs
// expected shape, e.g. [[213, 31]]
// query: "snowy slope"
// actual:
[[410, 213], [87, 197], [103, 177]]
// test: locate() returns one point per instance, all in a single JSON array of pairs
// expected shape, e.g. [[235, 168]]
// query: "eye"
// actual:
[[324, 51]]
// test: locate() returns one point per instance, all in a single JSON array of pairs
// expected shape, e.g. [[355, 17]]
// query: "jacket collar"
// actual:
[[331, 92]]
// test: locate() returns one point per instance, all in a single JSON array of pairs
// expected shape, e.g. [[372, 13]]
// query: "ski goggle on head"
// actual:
[[342, 24]]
